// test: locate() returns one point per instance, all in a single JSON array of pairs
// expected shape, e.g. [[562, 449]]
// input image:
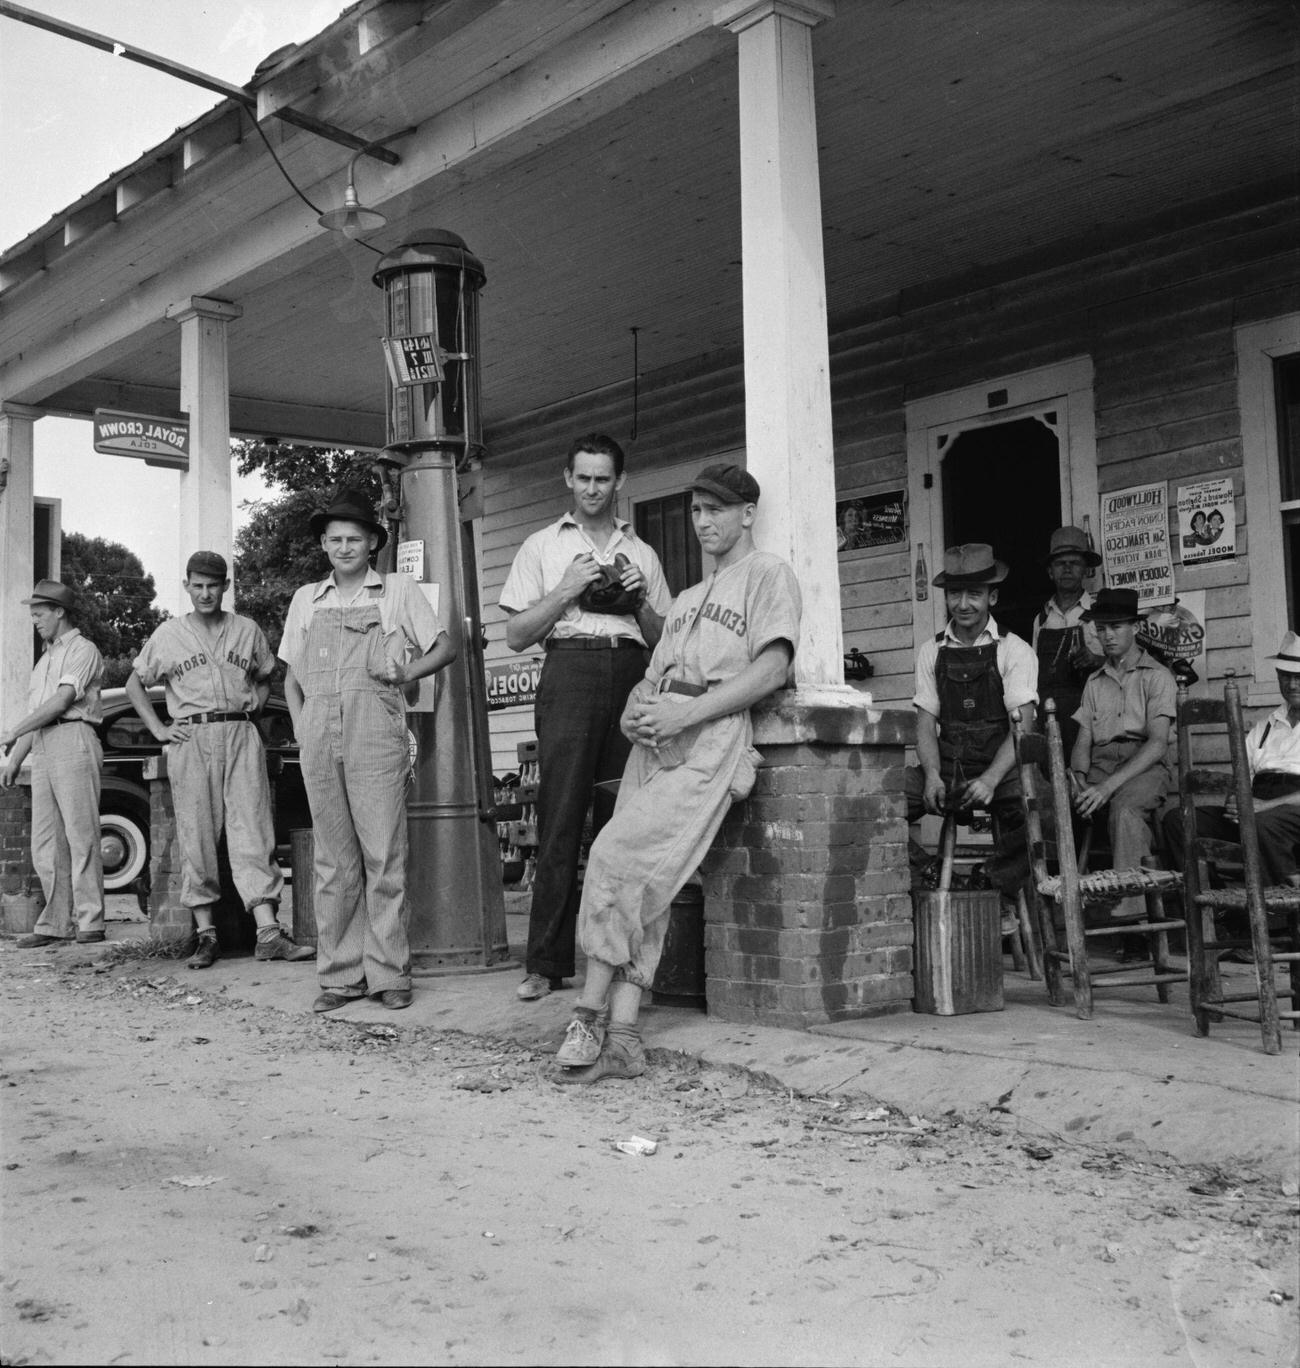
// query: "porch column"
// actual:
[[207, 516], [16, 556], [788, 441]]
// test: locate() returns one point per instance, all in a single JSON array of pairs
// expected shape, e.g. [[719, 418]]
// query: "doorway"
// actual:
[[1002, 485], [1004, 462]]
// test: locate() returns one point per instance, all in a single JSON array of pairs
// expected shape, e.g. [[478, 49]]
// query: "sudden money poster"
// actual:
[[1135, 542]]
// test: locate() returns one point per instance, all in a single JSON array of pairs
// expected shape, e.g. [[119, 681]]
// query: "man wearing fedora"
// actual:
[[1067, 647], [216, 667], [593, 594], [59, 732], [969, 679], [352, 642], [1120, 757], [1273, 754]]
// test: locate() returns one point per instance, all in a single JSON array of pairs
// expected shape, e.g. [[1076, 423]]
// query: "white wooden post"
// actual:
[[788, 441], [206, 513], [16, 556]]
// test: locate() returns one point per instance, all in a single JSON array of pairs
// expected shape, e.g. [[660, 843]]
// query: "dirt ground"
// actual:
[[191, 1179]]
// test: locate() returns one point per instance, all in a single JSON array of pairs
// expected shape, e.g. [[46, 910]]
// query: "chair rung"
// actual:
[[1109, 976], [1133, 928]]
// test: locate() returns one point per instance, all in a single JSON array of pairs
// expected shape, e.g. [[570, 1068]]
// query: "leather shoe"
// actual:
[[395, 998], [35, 938], [90, 937], [331, 1002]]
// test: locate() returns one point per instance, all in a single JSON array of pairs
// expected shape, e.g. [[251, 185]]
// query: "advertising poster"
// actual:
[[1177, 632], [871, 520], [1135, 542], [513, 683], [1207, 521]]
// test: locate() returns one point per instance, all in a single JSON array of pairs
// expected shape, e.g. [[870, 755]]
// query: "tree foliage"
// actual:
[[115, 598], [275, 551]]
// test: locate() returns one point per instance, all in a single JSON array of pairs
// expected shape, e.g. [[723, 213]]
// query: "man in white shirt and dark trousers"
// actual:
[[594, 593]]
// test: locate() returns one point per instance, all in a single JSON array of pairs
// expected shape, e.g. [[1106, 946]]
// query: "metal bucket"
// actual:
[[19, 913], [958, 952], [679, 980]]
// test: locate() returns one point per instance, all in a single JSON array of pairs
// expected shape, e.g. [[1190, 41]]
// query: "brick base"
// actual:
[[22, 899], [808, 913]]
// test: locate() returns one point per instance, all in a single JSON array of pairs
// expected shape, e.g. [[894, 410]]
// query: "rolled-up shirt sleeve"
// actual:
[[1019, 667], [927, 691], [294, 636], [524, 586], [80, 666], [421, 624]]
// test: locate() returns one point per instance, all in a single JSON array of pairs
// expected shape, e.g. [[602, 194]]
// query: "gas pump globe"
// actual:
[[454, 893]]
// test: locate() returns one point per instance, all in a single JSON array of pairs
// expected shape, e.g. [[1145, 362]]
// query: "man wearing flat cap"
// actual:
[[593, 593], [1273, 754], [216, 669], [969, 679], [727, 643], [59, 733], [1120, 758], [352, 643], [1067, 647]]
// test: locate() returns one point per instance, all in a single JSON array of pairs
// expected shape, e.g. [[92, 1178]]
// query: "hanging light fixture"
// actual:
[[354, 220]]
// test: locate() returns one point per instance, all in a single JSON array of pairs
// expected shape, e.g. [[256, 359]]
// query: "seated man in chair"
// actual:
[[1273, 754], [1120, 759], [968, 680]]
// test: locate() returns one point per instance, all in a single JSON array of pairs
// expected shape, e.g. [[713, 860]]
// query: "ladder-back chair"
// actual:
[[1207, 861], [1071, 892]]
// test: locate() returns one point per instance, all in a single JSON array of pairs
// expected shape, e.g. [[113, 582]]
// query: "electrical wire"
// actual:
[[378, 251]]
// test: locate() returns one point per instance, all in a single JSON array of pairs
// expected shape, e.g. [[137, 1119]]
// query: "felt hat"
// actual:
[[53, 591], [1071, 541], [348, 508], [1114, 605], [732, 484], [1288, 654], [207, 563], [970, 565]]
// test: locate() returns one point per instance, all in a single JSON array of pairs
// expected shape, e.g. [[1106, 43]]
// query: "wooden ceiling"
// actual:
[[954, 136]]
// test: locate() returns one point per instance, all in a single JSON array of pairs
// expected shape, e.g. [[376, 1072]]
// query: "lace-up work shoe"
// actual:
[[206, 953], [582, 1042], [533, 987], [279, 946]]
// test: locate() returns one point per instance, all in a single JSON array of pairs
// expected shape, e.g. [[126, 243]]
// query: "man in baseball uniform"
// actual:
[[216, 668], [352, 642], [594, 592], [727, 642], [59, 732]]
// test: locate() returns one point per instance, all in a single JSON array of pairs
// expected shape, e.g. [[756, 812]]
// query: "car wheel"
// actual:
[[124, 845]]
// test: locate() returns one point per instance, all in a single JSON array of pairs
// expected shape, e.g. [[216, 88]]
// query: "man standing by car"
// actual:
[[216, 668], [592, 591], [59, 732]]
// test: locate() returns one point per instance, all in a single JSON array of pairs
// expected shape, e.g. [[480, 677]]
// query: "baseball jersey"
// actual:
[[199, 677], [74, 660], [717, 627], [541, 561]]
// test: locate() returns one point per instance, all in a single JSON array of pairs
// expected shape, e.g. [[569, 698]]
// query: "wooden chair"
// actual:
[[1071, 892], [1207, 860]]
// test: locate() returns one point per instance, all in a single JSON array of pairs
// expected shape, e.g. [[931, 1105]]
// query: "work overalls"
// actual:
[[355, 756], [1059, 679], [973, 723]]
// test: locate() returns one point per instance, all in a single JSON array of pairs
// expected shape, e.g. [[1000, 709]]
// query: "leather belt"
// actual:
[[62, 721], [680, 686], [593, 644], [195, 718]]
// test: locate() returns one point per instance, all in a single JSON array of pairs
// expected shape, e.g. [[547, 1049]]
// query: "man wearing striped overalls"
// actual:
[[351, 643], [67, 761]]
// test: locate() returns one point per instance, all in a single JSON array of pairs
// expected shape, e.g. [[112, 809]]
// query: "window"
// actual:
[[666, 525], [1268, 392], [1286, 395]]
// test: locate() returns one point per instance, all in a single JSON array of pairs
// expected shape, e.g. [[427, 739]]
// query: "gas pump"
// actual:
[[430, 474]]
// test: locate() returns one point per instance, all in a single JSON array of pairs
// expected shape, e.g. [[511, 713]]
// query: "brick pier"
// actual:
[[808, 914]]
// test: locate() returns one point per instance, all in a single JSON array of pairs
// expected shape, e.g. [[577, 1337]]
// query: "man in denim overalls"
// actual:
[[968, 680], [352, 642]]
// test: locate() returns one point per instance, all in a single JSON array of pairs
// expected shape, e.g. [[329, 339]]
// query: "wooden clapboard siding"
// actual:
[[1156, 315]]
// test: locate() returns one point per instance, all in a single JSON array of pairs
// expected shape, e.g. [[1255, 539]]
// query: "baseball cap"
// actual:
[[207, 563], [733, 484]]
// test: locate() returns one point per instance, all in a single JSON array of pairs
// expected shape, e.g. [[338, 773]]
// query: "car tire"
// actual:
[[124, 844]]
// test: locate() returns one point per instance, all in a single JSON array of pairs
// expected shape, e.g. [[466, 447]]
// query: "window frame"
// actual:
[[1258, 345]]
